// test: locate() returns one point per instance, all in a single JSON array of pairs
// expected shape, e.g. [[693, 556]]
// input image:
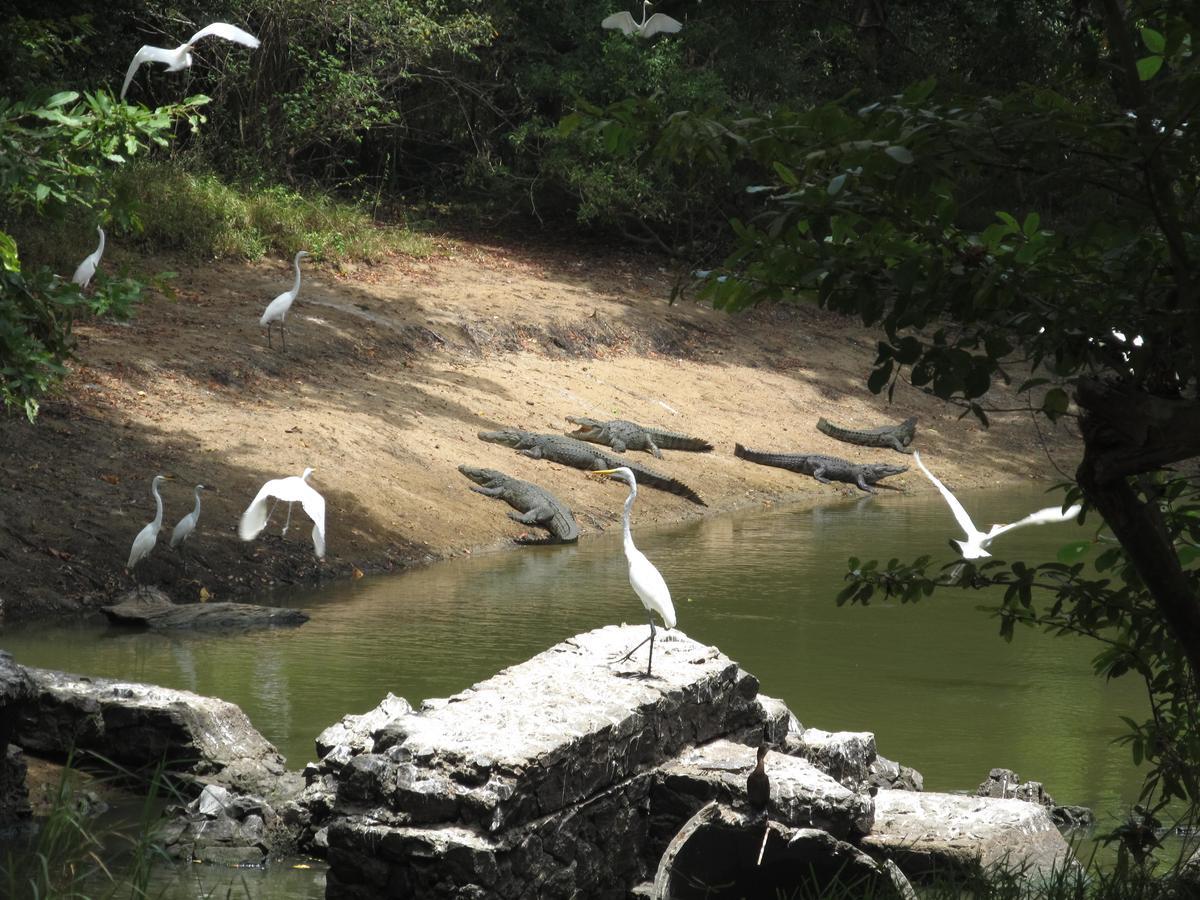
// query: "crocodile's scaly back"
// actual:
[[621, 435], [898, 437], [570, 452], [823, 468]]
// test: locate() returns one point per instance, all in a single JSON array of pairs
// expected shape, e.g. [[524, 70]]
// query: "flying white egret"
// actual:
[[87, 268], [975, 546], [293, 489], [148, 536], [187, 524], [646, 580], [278, 307], [647, 28], [181, 57]]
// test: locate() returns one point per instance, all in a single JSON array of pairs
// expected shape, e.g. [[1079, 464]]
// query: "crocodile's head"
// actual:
[[507, 438], [587, 427], [480, 476], [877, 471]]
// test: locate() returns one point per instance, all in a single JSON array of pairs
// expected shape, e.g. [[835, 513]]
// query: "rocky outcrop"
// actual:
[[140, 726], [1006, 783], [15, 689], [926, 832], [148, 607], [225, 828], [851, 758], [536, 782]]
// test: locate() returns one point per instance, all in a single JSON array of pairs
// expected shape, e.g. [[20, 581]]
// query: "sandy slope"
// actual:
[[388, 375]]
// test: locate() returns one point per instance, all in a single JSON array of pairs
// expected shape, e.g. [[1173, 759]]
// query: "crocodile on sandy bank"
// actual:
[[823, 468], [570, 452], [898, 437], [536, 505], [622, 435]]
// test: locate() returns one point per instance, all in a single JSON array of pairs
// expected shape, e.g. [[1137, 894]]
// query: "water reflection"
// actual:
[[934, 683]]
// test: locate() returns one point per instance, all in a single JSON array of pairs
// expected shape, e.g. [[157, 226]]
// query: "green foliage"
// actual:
[[200, 214]]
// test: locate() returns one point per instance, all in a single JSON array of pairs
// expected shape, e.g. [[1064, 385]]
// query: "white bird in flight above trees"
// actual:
[[148, 536], [188, 523], [293, 489], [181, 57], [87, 268], [647, 581], [279, 307], [647, 28], [975, 546]]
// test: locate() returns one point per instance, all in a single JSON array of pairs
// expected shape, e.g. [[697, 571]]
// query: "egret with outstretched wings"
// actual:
[[181, 57]]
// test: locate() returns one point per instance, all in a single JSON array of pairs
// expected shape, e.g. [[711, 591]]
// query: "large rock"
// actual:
[[16, 688], [1007, 783], [535, 782], [846, 756], [148, 607], [926, 832], [802, 796], [142, 725]]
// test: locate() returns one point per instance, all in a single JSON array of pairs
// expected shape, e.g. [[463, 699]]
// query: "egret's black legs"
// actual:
[[283, 335], [269, 344], [628, 655], [289, 519]]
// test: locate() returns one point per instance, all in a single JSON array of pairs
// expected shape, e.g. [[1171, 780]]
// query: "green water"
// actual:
[[933, 681]]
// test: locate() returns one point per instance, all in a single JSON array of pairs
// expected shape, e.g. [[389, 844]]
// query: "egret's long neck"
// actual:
[[628, 511], [100, 249], [157, 504], [645, 9], [296, 286], [196, 511]]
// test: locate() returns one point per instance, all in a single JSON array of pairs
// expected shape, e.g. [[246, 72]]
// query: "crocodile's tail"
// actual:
[[825, 427], [766, 459], [664, 483], [671, 440]]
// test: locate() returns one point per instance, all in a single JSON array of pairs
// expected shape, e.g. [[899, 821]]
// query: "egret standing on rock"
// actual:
[[278, 307], [647, 28], [646, 580], [148, 536], [975, 546], [87, 268], [293, 489], [187, 524], [181, 57]]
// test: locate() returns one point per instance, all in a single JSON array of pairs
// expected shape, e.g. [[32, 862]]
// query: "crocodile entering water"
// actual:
[[536, 504]]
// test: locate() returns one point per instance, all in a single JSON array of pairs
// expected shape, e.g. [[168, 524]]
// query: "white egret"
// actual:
[[87, 268], [975, 546], [187, 524], [647, 28], [148, 536], [293, 489], [646, 580], [278, 307], [181, 57]]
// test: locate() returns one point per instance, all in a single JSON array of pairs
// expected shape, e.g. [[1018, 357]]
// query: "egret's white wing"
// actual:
[[278, 307], [1042, 517], [227, 31], [84, 273], [621, 21], [314, 505], [142, 544], [960, 514], [650, 587], [146, 54], [659, 22], [183, 529], [254, 519]]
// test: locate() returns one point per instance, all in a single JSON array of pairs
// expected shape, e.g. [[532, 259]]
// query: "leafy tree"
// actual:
[[1085, 274]]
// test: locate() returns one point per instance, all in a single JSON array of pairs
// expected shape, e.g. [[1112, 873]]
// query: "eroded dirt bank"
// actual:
[[389, 373]]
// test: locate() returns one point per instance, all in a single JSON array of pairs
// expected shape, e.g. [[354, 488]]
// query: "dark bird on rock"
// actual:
[[758, 795]]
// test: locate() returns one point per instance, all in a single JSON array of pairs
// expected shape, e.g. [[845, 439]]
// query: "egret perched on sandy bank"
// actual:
[[148, 536], [187, 524], [181, 57], [647, 28], [646, 580], [975, 546], [293, 489], [87, 268], [278, 307]]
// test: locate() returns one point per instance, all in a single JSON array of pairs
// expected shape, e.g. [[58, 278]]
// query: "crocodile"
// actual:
[[622, 435], [898, 437], [534, 505], [823, 468], [570, 452]]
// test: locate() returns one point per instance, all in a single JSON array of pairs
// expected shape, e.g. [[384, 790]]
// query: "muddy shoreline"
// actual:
[[390, 372]]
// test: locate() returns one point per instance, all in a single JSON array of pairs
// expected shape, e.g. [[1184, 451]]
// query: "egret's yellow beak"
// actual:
[[600, 473]]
